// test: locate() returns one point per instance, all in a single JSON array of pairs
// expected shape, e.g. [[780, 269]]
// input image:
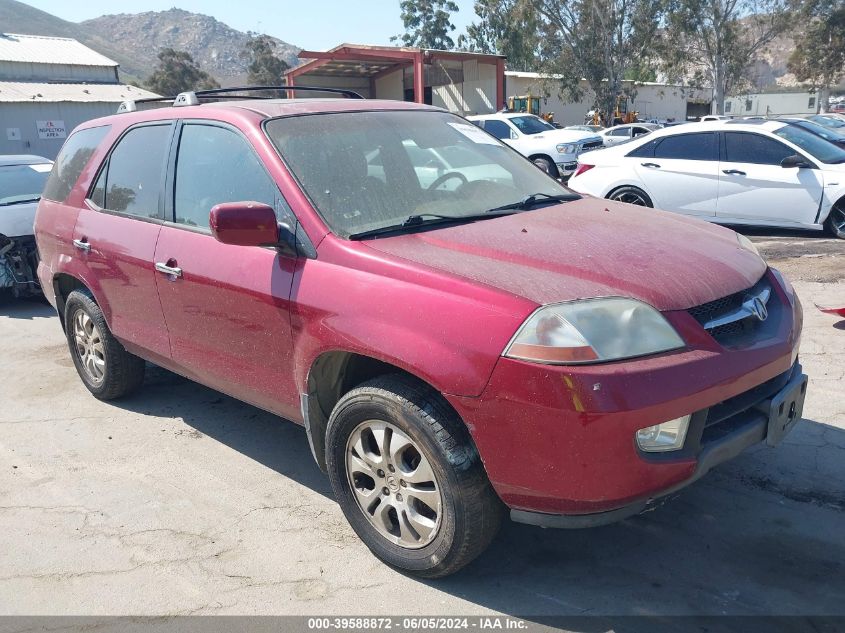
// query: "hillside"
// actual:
[[134, 39], [215, 46]]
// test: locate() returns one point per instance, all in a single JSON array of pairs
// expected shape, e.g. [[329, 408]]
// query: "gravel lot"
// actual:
[[181, 500]]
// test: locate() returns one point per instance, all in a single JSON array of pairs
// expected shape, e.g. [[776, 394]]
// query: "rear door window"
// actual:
[[132, 180], [72, 159], [499, 129], [703, 146], [644, 151], [216, 165], [747, 147]]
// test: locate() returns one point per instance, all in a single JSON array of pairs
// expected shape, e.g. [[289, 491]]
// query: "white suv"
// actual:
[[553, 150], [752, 172]]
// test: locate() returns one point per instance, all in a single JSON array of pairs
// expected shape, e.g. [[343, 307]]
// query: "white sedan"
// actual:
[[757, 173]]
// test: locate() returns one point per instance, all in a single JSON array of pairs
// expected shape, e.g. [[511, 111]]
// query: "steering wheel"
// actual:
[[445, 177]]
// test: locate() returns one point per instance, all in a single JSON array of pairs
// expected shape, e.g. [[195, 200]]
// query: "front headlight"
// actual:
[[567, 148], [747, 244], [592, 330]]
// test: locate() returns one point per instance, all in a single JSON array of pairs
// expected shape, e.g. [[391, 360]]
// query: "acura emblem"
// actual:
[[757, 307]]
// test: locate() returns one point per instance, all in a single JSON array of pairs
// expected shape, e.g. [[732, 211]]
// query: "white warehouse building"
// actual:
[[651, 100], [48, 86]]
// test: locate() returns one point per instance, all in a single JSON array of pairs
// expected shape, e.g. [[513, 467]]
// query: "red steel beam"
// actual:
[[419, 78]]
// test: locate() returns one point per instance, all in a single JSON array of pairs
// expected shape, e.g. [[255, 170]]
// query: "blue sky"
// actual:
[[312, 25]]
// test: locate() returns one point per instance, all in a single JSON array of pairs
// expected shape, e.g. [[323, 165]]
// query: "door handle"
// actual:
[[733, 172], [82, 245], [168, 270], [653, 165]]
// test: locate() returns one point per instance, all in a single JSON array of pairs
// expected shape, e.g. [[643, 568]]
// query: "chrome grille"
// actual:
[[728, 319], [591, 145]]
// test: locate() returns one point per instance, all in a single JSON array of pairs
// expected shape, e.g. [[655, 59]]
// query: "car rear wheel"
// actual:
[[408, 478], [835, 223], [631, 195], [106, 368]]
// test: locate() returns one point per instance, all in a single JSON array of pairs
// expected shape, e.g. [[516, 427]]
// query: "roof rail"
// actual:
[[131, 105], [194, 97]]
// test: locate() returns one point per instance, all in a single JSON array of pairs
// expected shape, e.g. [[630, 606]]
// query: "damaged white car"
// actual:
[[21, 180]]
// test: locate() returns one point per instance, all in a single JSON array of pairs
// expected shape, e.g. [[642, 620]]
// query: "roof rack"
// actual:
[[193, 97]]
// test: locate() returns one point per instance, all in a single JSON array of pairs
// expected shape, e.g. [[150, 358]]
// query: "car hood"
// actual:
[[589, 248]]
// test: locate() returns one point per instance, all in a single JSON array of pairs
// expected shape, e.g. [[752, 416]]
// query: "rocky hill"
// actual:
[[214, 46], [133, 40]]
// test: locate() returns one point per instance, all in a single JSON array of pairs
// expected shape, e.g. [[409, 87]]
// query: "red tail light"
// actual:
[[582, 167]]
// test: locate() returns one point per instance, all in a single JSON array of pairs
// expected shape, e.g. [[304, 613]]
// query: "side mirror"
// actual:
[[794, 161], [244, 224]]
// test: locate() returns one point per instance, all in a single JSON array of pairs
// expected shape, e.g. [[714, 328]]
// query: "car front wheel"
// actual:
[[546, 165], [408, 478]]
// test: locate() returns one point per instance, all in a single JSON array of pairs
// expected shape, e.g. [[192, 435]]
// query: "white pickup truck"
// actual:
[[21, 180], [553, 150]]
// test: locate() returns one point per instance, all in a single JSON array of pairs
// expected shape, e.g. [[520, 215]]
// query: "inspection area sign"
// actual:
[[51, 129]]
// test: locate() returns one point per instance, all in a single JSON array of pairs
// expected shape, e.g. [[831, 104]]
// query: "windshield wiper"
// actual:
[[429, 219], [534, 199], [8, 204]]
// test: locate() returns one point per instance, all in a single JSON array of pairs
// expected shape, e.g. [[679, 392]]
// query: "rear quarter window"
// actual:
[[72, 159]]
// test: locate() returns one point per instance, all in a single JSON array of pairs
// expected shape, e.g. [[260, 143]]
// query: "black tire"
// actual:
[[470, 511], [835, 223], [547, 165], [631, 195], [122, 372]]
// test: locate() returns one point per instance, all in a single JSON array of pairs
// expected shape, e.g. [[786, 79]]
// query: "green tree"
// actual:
[[265, 69], [178, 72], [819, 57], [505, 27], [600, 41], [427, 23], [712, 42]]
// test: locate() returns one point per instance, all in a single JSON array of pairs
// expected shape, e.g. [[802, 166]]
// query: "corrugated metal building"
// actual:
[[48, 86]]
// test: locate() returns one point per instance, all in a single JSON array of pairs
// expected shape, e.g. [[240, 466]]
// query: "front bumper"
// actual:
[[567, 168], [560, 440], [768, 412]]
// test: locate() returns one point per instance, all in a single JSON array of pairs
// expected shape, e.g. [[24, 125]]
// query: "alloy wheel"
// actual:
[[89, 346], [837, 219], [393, 484], [631, 197], [543, 164]]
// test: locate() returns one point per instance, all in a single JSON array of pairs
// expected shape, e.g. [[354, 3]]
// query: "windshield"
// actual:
[[816, 146], [828, 121], [531, 124], [22, 183], [369, 170], [828, 134]]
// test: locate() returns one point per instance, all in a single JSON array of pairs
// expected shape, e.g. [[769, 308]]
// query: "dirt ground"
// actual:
[[181, 500]]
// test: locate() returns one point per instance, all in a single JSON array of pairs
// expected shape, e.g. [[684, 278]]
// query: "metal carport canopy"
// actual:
[[373, 62]]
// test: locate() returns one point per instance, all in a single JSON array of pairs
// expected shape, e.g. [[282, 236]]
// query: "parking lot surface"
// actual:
[[181, 500]]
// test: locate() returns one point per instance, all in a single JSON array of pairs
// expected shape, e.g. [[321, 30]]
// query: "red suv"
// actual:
[[458, 332]]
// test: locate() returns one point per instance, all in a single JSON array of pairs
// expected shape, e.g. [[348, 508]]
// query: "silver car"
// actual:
[[622, 133]]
